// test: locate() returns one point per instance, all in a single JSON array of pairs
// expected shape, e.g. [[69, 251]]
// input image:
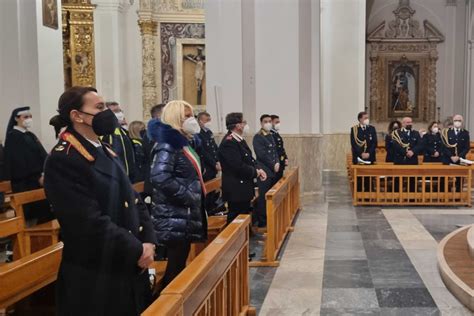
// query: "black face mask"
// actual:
[[104, 123], [409, 127]]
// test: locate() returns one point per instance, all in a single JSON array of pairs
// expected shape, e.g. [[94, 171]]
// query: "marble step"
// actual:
[[456, 265]]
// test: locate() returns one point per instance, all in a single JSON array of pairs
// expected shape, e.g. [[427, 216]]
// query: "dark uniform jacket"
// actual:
[[462, 142], [413, 140], [142, 161], [389, 148], [178, 212], [281, 152], [103, 225], [208, 154], [366, 135], [431, 143], [238, 169], [24, 160], [122, 145], [266, 152]]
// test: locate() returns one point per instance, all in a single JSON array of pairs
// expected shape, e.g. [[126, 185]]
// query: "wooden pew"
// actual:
[[216, 282], [39, 236], [6, 189], [283, 203], [25, 276], [13, 228], [426, 184]]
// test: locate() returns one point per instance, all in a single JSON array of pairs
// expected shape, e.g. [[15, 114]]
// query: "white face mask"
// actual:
[[267, 126], [191, 126], [366, 122], [246, 129], [207, 125], [457, 124], [435, 130], [28, 123], [277, 127], [120, 116]]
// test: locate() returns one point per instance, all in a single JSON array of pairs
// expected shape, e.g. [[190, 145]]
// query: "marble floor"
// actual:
[[345, 260]]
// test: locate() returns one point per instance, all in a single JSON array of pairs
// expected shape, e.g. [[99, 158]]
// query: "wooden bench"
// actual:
[[6, 189], [426, 184], [25, 276], [39, 236], [283, 203], [216, 282], [13, 228]]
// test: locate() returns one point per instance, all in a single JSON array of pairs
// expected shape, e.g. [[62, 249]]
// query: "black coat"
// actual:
[[208, 154], [142, 160], [103, 225], [463, 142], [280, 148], [122, 145], [431, 144], [369, 135], [178, 211], [24, 160], [238, 169], [266, 152], [399, 152]]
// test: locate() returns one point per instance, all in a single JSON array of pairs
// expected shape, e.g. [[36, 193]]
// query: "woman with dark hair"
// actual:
[[106, 229], [24, 160], [432, 144], [394, 125], [178, 211]]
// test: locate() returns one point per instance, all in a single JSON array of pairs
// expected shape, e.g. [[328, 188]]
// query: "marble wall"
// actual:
[[334, 149], [305, 151]]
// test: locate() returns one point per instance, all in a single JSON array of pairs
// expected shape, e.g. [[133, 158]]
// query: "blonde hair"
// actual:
[[135, 128], [173, 114]]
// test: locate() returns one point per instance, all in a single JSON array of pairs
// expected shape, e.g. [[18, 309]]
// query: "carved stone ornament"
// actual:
[[403, 55]]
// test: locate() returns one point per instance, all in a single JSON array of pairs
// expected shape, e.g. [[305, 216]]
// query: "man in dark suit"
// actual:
[[407, 144], [280, 146], [456, 142], [267, 158], [239, 169], [209, 159], [363, 139]]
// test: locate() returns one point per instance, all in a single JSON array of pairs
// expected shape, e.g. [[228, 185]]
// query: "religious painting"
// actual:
[[50, 13], [403, 96], [194, 74]]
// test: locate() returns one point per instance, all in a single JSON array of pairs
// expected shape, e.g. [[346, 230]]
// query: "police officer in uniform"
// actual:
[[363, 139], [267, 158], [239, 168], [283, 157], [107, 232], [209, 158], [406, 144], [456, 142], [432, 145]]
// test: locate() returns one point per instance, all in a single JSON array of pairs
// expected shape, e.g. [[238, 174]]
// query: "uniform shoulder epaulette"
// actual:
[[109, 149], [76, 144]]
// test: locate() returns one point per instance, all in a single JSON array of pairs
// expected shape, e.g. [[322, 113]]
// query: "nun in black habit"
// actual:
[[24, 160]]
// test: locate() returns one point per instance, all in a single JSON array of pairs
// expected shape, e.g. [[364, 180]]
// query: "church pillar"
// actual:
[[469, 62]]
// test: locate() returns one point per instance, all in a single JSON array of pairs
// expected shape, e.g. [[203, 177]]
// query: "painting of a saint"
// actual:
[[50, 13], [403, 90]]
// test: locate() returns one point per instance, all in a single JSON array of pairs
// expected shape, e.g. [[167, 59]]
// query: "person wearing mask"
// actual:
[[107, 232], [24, 161], [280, 146], [210, 161], [432, 144], [363, 140], [456, 142], [239, 168], [120, 141], [393, 125], [406, 144], [178, 213], [267, 158], [142, 162]]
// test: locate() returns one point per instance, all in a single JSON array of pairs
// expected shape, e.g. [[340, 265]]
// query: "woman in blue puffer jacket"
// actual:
[[178, 213]]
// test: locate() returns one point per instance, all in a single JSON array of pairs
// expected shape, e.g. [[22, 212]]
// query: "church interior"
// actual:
[[345, 122]]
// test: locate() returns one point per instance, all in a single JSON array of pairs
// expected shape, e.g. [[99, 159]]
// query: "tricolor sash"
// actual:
[[196, 162]]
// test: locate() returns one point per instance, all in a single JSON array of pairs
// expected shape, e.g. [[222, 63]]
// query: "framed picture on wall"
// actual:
[[50, 13]]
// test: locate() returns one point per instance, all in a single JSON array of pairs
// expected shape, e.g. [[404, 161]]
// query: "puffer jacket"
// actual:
[[177, 209]]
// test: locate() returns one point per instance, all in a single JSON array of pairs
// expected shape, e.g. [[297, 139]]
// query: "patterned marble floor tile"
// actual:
[[361, 298]]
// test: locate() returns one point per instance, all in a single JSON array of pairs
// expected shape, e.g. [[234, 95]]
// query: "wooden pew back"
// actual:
[[216, 282], [28, 274]]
